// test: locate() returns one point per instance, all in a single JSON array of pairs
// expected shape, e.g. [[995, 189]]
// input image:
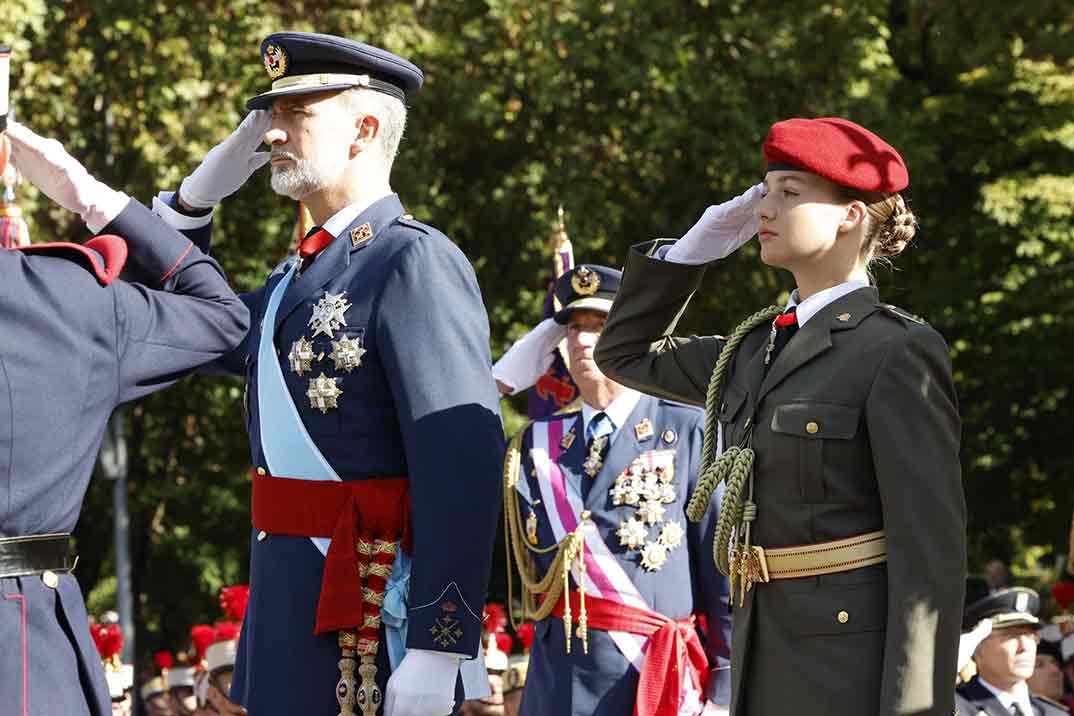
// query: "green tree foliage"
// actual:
[[634, 116]]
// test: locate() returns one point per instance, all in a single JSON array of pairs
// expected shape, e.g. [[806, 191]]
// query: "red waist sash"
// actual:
[[371, 512], [673, 650]]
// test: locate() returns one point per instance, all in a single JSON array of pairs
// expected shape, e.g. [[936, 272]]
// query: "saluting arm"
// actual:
[[637, 348], [914, 430]]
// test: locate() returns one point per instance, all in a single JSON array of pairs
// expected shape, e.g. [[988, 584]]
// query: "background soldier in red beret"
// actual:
[[834, 425]]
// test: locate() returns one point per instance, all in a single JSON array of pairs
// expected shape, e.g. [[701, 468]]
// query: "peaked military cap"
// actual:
[[586, 286], [1013, 607], [305, 62], [836, 149]]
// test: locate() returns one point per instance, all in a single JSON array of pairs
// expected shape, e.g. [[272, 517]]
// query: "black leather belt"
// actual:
[[35, 554]]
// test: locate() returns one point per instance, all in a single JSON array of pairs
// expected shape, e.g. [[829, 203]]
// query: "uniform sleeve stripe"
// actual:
[[177, 263]]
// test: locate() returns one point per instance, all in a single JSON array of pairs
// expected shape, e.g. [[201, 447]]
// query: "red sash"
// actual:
[[673, 650], [373, 509]]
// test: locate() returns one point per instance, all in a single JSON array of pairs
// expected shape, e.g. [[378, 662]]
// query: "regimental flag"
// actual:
[[555, 389]]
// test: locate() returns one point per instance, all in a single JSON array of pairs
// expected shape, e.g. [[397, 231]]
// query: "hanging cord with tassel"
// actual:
[[734, 466]]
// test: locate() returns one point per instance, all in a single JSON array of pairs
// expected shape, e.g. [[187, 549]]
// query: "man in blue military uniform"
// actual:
[[1005, 658], [602, 491], [372, 413], [77, 341]]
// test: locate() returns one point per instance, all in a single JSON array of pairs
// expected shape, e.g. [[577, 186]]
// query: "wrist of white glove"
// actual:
[[229, 164], [968, 642], [720, 231], [59, 176], [422, 685], [530, 357]]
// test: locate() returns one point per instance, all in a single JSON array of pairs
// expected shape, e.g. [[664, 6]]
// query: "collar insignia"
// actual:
[[361, 234]]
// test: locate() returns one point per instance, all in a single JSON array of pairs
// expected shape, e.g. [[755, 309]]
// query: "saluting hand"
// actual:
[[228, 165], [720, 231]]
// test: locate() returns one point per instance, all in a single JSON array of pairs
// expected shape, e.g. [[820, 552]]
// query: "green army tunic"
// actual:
[[856, 429]]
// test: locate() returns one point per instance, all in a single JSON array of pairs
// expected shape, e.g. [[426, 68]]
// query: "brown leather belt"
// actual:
[[811, 560], [33, 555]]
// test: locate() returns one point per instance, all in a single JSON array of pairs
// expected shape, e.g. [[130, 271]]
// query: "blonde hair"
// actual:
[[891, 224]]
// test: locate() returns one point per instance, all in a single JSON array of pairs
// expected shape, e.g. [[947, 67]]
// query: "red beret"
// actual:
[[836, 149]]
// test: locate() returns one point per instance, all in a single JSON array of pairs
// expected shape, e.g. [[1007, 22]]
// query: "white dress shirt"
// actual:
[[1020, 696], [812, 305], [619, 410]]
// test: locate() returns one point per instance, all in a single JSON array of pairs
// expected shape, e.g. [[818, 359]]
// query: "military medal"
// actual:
[[651, 511], [653, 556], [323, 393], [643, 430], [347, 353], [301, 356], [671, 535], [328, 314], [632, 533], [595, 460], [568, 440], [531, 527]]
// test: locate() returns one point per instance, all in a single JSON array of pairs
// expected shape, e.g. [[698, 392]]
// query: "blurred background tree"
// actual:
[[634, 116]]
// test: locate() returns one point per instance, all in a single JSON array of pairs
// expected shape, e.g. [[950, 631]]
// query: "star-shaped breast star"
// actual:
[[329, 314], [323, 393], [301, 356], [347, 353]]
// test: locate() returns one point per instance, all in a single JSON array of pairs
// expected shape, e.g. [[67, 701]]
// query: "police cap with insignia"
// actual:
[[1006, 608], [305, 62], [838, 150], [586, 286]]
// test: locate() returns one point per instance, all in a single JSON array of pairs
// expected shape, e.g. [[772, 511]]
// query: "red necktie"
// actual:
[[314, 242], [787, 319]]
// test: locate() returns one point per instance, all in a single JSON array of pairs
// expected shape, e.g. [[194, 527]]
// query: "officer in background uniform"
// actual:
[[371, 409], [603, 489], [77, 342], [1006, 658]]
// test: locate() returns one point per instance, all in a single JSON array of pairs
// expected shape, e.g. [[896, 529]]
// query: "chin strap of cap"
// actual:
[[104, 255]]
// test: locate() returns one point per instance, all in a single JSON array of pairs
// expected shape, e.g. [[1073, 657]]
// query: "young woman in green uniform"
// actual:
[[832, 421]]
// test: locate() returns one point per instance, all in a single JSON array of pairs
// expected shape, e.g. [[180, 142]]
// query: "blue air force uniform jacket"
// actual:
[[72, 350], [604, 682], [422, 404]]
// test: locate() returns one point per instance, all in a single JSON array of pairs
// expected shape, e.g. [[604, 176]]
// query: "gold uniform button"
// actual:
[[811, 428], [50, 578], [260, 471], [262, 536], [843, 617]]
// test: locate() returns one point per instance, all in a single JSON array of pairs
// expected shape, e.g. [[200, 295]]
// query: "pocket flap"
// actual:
[[731, 402], [816, 420], [846, 610]]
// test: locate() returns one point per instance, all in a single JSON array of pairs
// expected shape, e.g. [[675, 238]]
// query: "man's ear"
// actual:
[[367, 128]]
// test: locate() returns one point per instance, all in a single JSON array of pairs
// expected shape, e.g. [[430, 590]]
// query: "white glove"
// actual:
[[714, 709], [530, 357], [968, 642], [229, 164], [422, 685], [47, 165], [720, 230]]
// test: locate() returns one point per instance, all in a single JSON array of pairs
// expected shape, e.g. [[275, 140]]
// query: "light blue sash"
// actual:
[[290, 451]]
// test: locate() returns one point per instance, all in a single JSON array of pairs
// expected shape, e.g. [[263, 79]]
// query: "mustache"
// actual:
[[282, 154]]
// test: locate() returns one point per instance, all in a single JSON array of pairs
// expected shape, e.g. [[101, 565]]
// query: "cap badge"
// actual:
[[275, 62], [643, 430], [1021, 602], [585, 282], [360, 235]]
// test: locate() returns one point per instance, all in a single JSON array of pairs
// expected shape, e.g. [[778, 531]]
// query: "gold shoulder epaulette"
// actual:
[[899, 313]]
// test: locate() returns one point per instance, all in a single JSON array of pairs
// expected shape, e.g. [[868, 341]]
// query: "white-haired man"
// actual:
[[372, 412]]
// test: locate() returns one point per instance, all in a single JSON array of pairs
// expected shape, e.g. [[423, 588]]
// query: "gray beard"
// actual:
[[297, 181]]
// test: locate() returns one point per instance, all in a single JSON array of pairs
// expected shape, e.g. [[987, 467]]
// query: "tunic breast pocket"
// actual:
[[730, 412], [818, 427]]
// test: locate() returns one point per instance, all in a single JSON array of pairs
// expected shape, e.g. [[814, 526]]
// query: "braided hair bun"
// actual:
[[896, 230]]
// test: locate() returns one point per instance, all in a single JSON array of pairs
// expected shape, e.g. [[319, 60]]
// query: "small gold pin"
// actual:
[[567, 441], [643, 430], [669, 436], [531, 527], [843, 317], [360, 235]]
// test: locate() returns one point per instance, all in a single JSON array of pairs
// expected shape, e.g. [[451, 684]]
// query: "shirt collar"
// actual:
[[1020, 695], [812, 305], [346, 216], [619, 410]]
